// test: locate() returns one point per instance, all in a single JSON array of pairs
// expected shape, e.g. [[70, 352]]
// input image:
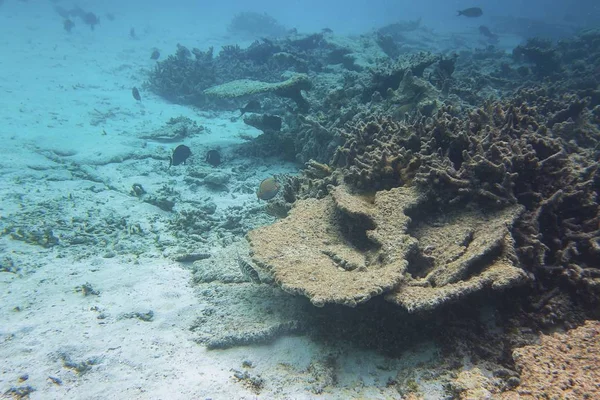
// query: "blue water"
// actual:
[[73, 143]]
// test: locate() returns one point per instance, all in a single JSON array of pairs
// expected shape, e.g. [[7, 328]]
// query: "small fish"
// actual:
[[471, 12], [155, 54], [180, 154], [213, 157], [91, 19], [68, 25], [485, 31], [136, 94], [251, 106], [132, 33], [248, 270], [268, 189]]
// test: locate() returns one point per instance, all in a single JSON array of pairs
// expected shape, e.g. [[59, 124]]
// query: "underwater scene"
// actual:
[[360, 199]]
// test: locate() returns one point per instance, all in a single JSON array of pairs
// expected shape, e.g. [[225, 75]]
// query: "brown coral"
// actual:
[[341, 249], [460, 253], [562, 366], [347, 248]]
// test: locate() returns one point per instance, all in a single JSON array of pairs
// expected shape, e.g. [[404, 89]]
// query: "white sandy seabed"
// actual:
[[131, 339]]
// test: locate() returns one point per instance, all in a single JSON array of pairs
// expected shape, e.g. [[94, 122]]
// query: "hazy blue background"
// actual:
[[357, 16]]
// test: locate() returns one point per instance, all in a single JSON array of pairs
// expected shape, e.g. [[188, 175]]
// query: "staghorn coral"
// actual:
[[535, 150], [562, 366]]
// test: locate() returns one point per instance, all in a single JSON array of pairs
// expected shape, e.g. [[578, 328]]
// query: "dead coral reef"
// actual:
[[562, 366]]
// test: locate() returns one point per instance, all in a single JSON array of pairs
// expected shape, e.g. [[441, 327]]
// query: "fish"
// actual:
[[213, 157], [268, 189], [485, 31], [251, 106], [90, 19], [471, 12], [68, 25], [132, 33], [248, 270], [180, 154], [155, 54], [65, 14], [136, 94]]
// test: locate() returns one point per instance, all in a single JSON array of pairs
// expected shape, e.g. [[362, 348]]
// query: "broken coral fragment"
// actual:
[[342, 249]]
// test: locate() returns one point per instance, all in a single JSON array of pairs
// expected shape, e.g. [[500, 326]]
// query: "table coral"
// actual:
[[348, 248], [459, 254], [341, 249]]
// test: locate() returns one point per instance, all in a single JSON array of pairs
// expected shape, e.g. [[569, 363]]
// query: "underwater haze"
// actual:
[[299, 200]]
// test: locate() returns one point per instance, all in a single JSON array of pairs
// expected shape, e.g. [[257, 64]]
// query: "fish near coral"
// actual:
[[472, 12], [213, 157], [248, 270], [155, 54], [136, 94], [180, 154], [268, 189], [68, 25]]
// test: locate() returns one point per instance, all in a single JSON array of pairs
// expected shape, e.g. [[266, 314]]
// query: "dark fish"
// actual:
[[65, 14], [132, 33], [485, 31], [252, 106], [136, 94], [180, 154], [248, 270], [68, 25], [155, 54], [268, 189], [90, 19], [471, 12], [213, 157], [110, 16]]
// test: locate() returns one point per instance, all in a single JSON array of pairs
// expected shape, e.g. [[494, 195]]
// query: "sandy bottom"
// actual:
[[106, 312]]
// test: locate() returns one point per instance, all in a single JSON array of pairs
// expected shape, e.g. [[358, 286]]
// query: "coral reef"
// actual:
[[362, 246], [342, 249], [480, 253], [562, 366]]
